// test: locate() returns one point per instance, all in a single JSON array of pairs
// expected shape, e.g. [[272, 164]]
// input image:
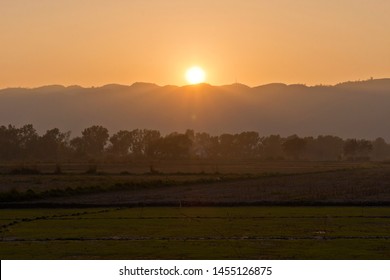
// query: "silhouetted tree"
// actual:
[[25, 143], [53, 145], [294, 146], [227, 145], [9, 143], [380, 149], [174, 145], [150, 140], [271, 147], [92, 141], [364, 149], [248, 144], [137, 143], [357, 149], [324, 148], [351, 148], [28, 140], [143, 142], [121, 143], [78, 146], [205, 146]]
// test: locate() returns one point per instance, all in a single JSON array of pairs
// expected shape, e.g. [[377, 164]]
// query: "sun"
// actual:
[[195, 75]]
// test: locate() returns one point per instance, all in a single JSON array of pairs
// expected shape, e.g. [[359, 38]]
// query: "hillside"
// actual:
[[351, 109]]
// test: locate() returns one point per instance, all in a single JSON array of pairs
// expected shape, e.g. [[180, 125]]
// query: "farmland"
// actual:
[[192, 233], [190, 210]]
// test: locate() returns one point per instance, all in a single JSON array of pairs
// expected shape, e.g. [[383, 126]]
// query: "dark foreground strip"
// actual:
[[30, 205], [214, 218], [208, 238]]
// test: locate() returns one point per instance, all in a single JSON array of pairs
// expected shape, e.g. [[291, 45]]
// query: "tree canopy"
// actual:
[[95, 142]]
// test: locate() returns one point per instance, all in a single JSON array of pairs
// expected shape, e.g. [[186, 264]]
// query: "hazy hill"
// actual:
[[351, 109]]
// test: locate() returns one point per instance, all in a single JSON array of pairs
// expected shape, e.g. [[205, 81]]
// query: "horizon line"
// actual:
[[189, 85]]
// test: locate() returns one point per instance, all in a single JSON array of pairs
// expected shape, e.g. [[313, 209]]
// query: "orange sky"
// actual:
[[96, 42]]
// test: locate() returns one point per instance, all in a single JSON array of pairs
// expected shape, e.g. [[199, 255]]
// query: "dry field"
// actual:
[[318, 184]]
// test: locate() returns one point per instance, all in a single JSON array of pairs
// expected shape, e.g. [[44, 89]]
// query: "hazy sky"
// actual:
[[95, 42]]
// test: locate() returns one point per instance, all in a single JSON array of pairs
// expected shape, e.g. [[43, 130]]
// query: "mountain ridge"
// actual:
[[349, 110], [382, 81]]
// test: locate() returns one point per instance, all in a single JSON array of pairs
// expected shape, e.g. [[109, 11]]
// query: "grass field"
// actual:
[[244, 210], [197, 233]]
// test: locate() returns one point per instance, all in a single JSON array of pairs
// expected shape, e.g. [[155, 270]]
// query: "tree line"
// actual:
[[95, 142]]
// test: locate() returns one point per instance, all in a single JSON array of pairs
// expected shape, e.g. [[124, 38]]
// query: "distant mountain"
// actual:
[[352, 109]]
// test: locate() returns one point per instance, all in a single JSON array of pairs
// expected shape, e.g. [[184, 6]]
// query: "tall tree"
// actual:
[[175, 145], [28, 141], [121, 143], [227, 145], [53, 145], [357, 149], [248, 144], [205, 146], [9, 143], [271, 147], [381, 150], [294, 146], [92, 141]]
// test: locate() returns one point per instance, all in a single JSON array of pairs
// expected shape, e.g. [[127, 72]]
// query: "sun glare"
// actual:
[[195, 75]]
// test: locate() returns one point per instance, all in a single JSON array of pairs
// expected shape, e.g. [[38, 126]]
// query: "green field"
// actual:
[[197, 210], [197, 233]]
